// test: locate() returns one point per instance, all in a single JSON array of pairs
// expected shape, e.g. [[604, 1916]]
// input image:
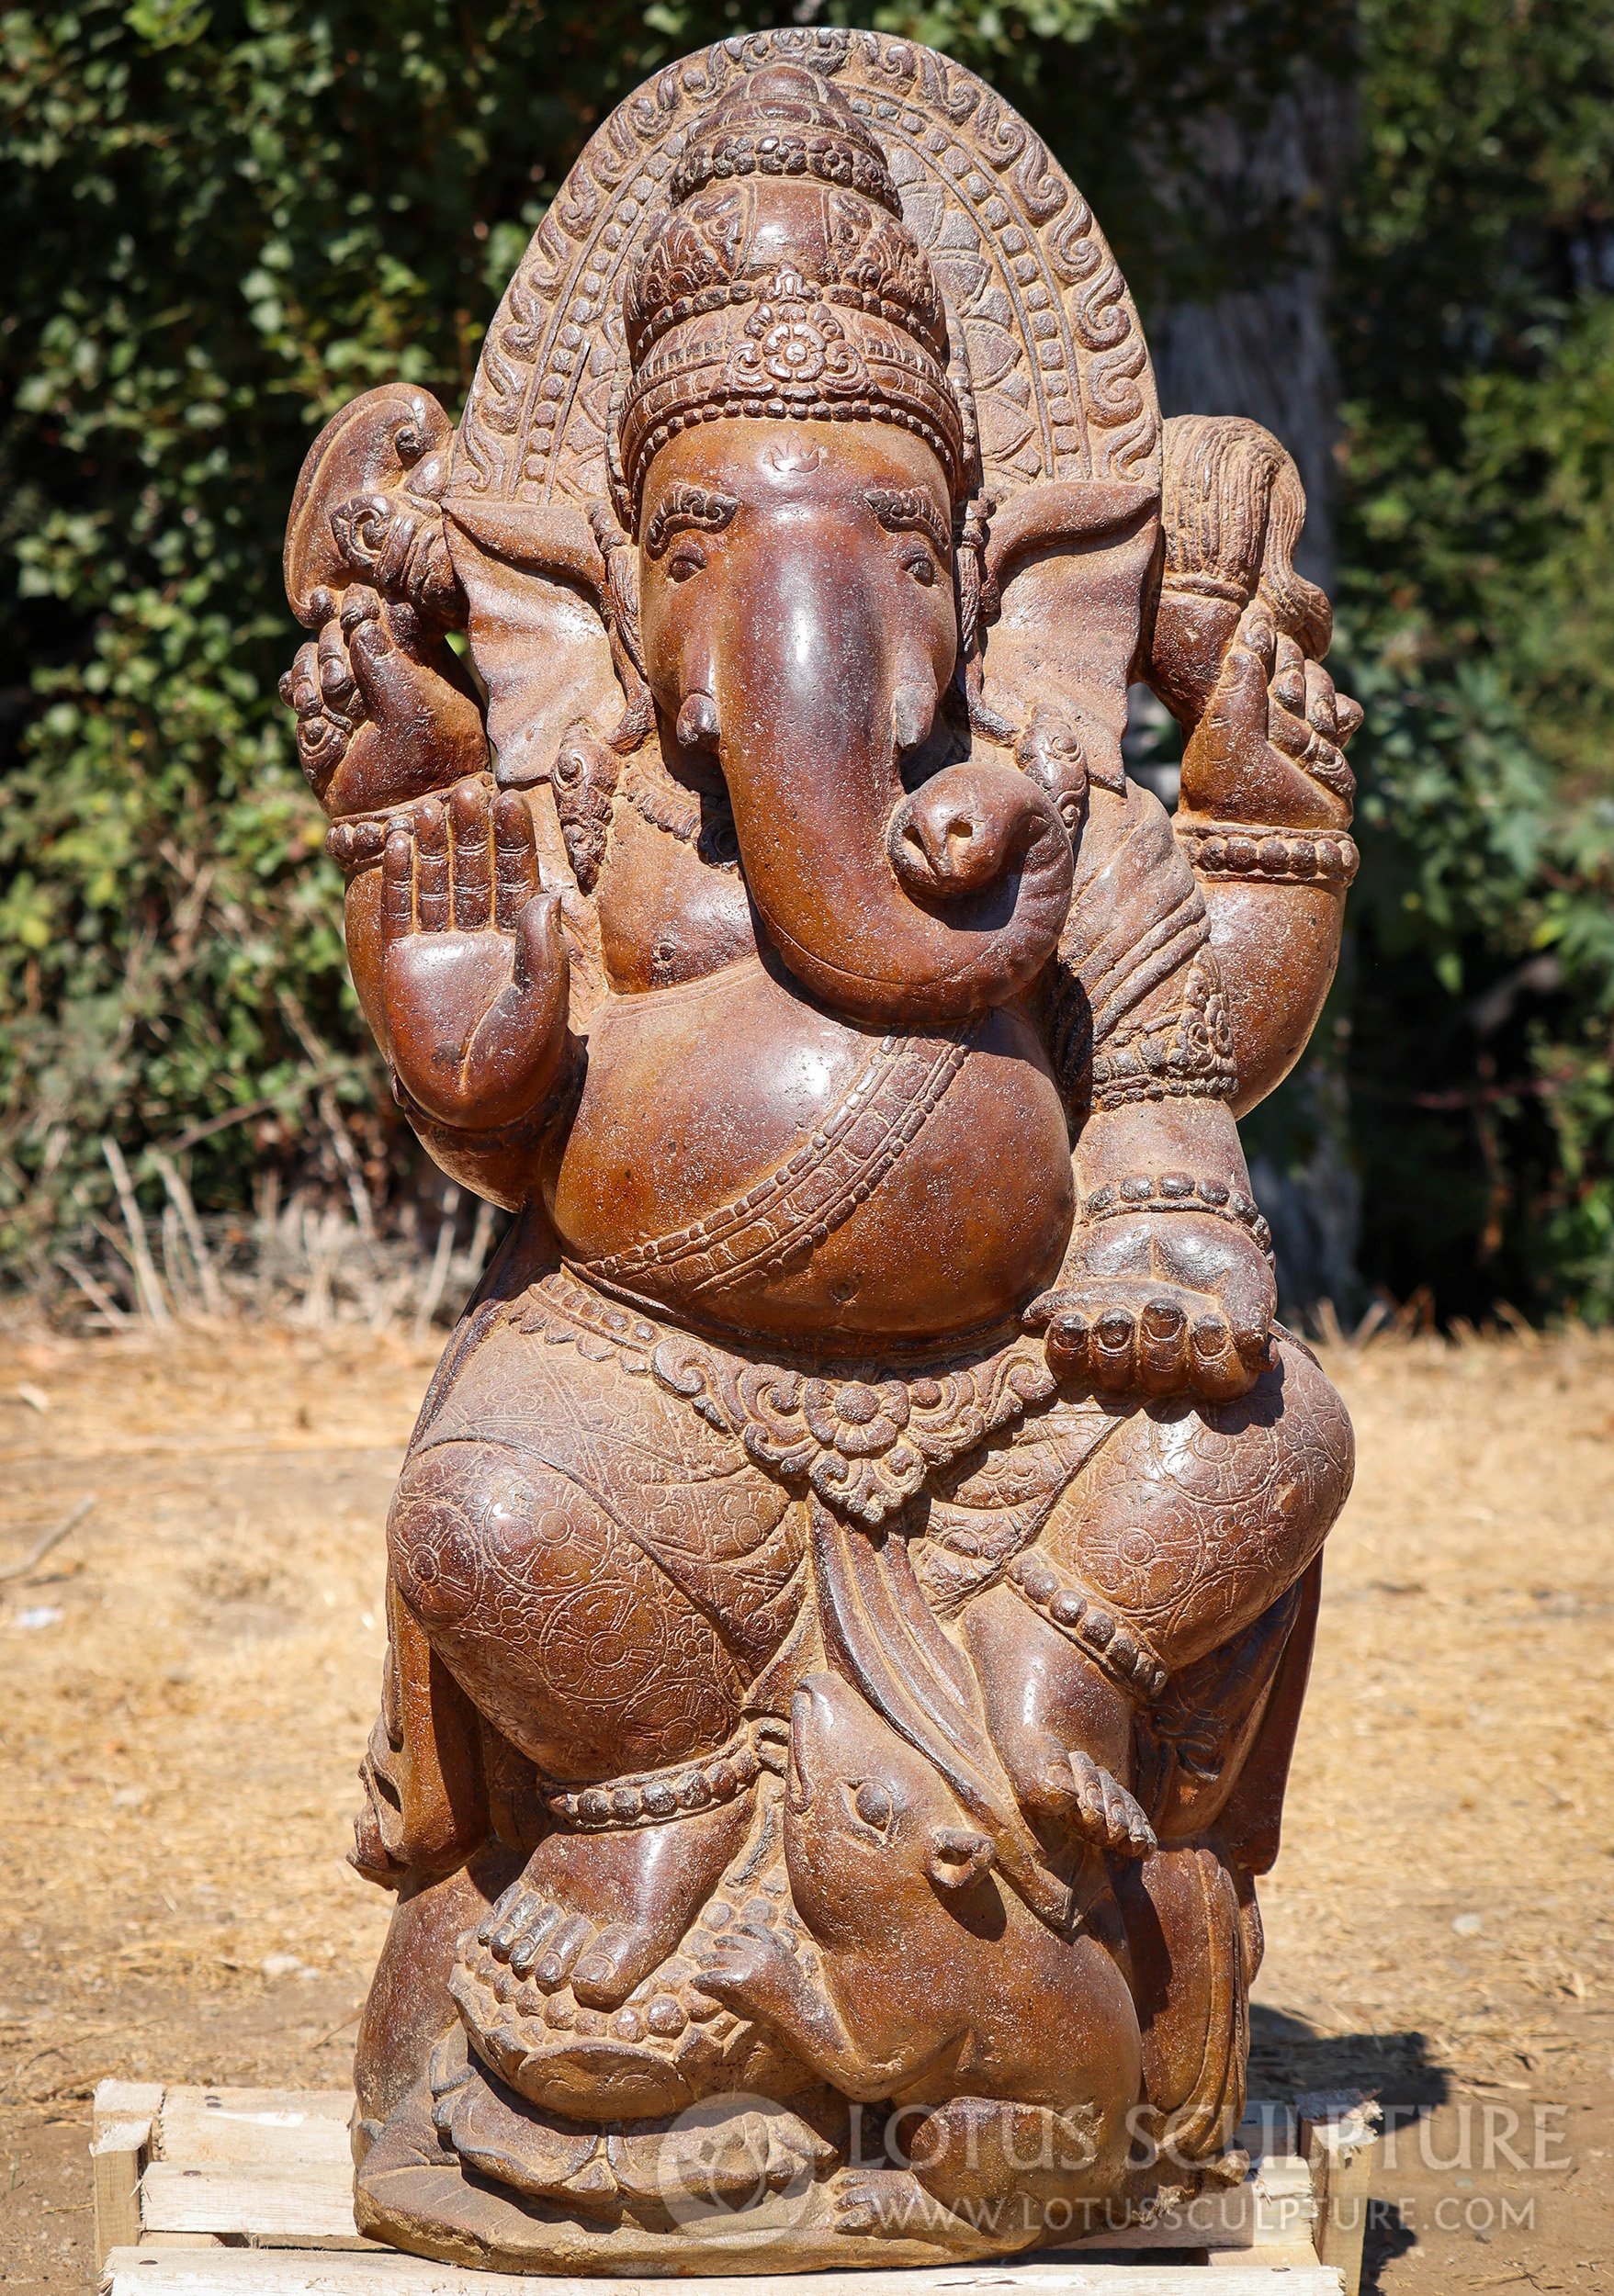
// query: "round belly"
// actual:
[[753, 1163]]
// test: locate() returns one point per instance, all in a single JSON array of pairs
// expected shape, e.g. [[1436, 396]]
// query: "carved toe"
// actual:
[[606, 1974]]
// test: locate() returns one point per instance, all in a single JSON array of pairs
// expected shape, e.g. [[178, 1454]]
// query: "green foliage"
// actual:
[[223, 222], [225, 219], [1477, 340]]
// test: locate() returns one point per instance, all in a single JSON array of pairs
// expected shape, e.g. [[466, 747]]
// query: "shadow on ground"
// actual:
[[1288, 2056]]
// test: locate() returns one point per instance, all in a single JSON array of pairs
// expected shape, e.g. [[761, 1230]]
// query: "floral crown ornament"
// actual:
[[783, 283]]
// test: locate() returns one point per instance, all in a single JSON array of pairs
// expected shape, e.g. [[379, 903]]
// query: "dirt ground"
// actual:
[[190, 1675]]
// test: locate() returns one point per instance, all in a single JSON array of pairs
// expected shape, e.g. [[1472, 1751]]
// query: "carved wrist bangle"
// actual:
[[1178, 1192], [1116, 1650], [358, 842], [1271, 856], [521, 1132]]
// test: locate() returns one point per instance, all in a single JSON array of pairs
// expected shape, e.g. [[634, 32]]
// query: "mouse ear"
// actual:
[[957, 1856]]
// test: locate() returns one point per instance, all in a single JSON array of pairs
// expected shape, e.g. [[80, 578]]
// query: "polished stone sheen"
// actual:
[[852, 1585]]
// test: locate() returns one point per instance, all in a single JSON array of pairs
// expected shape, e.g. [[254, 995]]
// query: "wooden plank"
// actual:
[[125, 2100], [271, 2168], [198, 2126], [1268, 2260], [293, 2272], [1272, 2209], [120, 2139], [1339, 2129], [323, 2104], [1286, 2207], [307, 2200], [118, 2151]]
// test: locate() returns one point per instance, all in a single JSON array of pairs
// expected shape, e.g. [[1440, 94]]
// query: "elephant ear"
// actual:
[[544, 634], [554, 540], [366, 508], [551, 631], [1047, 354], [1065, 515], [1071, 562]]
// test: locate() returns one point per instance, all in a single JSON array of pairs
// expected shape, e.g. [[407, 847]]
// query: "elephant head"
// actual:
[[798, 624], [790, 451], [791, 458]]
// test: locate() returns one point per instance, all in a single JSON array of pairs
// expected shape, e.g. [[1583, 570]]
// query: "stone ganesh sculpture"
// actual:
[[852, 1585]]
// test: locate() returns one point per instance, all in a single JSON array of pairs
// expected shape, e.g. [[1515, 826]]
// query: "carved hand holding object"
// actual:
[[381, 717], [384, 713], [850, 1587]]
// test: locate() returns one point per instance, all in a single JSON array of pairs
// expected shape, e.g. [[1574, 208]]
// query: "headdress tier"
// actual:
[[784, 283]]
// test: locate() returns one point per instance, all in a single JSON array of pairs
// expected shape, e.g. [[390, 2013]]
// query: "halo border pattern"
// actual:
[[1048, 354]]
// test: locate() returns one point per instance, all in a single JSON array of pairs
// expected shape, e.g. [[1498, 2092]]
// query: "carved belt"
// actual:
[[778, 1224], [863, 1435]]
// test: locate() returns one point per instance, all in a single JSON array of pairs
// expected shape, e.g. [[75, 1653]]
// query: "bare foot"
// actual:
[[892, 2205], [1063, 1728], [602, 1910]]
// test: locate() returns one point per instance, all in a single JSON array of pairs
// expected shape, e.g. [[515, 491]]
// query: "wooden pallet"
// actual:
[[248, 2193]]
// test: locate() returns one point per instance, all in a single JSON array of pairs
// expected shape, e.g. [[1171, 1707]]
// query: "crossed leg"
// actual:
[[579, 1647], [1179, 1530]]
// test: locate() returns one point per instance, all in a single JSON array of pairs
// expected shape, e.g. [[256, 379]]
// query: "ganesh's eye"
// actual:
[[684, 558], [874, 1806], [917, 560]]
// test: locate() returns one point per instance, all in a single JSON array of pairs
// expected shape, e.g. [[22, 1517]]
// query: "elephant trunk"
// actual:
[[922, 908]]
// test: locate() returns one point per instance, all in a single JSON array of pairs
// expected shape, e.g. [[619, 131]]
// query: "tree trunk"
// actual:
[[1259, 184], [1266, 182]]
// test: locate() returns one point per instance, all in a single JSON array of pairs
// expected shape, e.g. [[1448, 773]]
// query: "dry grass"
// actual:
[[309, 1261], [180, 1737]]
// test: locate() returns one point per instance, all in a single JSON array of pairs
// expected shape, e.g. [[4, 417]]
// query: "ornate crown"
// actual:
[[784, 283]]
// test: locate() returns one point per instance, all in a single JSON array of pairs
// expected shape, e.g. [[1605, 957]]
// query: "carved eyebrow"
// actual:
[[905, 509], [682, 508]]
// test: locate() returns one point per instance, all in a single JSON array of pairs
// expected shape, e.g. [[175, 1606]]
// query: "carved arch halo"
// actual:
[[1038, 313]]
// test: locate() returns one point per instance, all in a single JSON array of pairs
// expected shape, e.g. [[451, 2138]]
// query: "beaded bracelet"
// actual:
[[359, 840], [1237, 849], [521, 1132], [1178, 1192]]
